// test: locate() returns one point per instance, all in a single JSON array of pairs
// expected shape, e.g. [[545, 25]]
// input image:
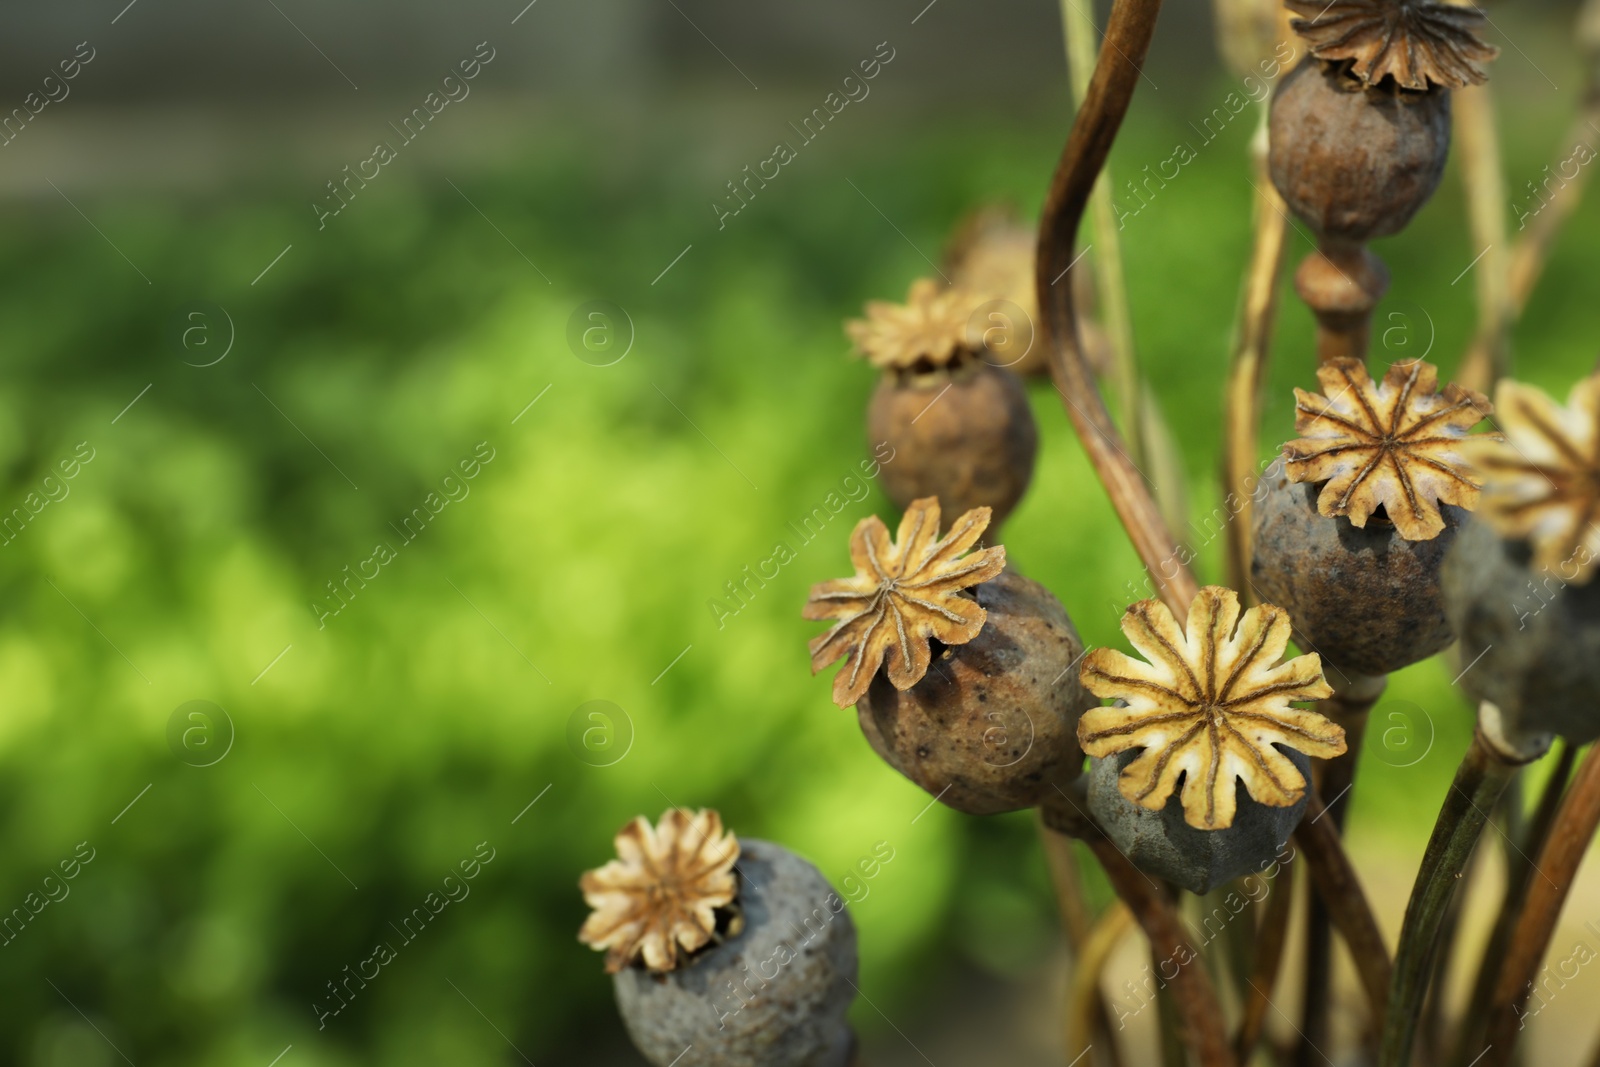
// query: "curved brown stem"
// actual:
[[1336, 883], [1204, 1031], [1270, 939], [1556, 866], [1116, 76]]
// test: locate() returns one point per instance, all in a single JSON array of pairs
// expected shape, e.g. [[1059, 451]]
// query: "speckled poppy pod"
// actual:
[[975, 701], [1352, 530], [1360, 130], [1199, 768], [959, 422], [723, 952], [1520, 585]]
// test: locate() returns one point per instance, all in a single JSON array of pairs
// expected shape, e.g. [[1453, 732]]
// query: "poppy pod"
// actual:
[[958, 420], [1360, 130], [725, 952], [1352, 529], [1200, 766], [1520, 586], [976, 701]]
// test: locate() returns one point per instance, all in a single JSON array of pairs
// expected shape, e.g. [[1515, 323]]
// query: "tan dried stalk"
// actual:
[[1506, 291], [1084, 1002], [1252, 348], [1483, 178]]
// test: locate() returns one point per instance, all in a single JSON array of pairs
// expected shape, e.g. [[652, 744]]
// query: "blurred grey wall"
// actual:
[[203, 50]]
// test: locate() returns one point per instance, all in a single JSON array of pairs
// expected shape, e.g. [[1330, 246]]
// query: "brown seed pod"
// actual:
[[993, 724], [1355, 162], [1365, 598], [959, 423]]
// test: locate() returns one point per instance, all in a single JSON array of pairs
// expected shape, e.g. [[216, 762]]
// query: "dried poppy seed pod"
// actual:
[[1353, 162], [1359, 132], [773, 967], [991, 725], [960, 425], [1209, 706], [1530, 642], [994, 724], [1162, 844], [1520, 584], [1351, 532]]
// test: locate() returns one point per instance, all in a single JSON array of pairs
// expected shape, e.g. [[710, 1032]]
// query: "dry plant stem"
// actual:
[[1557, 865], [1077, 20], [1479, 781], [1351, 704], [1532, 251], [1478, 149], [1077, 926], [1270, 939], [1196, 998], [1528, 254], [1251, 351], [1169, 1025], [1085, 1003], [1116, 76], [1518, 878], [1336, 883], [1065, 876]]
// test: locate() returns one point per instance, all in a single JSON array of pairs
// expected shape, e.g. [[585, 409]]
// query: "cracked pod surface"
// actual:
[[993, 723], [1364, 598], [1529, 634], [1163, 844], [774, 994]]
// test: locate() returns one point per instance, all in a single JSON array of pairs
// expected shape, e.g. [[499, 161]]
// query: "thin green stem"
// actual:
[[1479, 781]]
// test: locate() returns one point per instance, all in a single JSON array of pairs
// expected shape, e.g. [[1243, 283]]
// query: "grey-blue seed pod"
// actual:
[[772, 995], [1162, 844]]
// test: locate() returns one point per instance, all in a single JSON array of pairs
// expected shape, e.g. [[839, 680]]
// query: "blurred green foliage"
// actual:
[[428, 713]]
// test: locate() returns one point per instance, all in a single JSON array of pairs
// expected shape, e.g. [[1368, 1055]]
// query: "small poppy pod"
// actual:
[[1531, 637], [993, 724], [1355, 162], [959, 422], [774, 966], [1364, 598]]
